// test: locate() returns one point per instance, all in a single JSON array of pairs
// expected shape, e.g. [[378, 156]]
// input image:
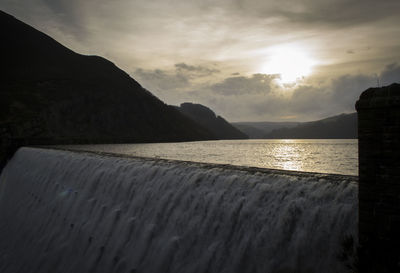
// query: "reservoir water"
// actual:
[[338, 156]]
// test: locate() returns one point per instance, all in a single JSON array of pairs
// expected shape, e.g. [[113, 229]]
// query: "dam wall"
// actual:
[[64, 211]]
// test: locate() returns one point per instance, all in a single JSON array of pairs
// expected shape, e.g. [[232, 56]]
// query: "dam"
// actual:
[[63, 211]]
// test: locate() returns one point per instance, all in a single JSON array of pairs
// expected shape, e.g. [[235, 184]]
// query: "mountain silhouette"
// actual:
[[341, 126], [51, 95], [209, 120], [258, 130]]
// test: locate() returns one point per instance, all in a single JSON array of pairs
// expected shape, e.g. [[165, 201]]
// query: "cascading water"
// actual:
[[76, 212]]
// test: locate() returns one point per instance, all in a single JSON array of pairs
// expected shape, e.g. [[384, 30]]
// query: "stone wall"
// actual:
[[379, 178]]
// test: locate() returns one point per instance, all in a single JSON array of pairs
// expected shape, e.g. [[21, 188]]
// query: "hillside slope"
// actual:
[[341, 126], [51, 94], [217, 125], [261, 129]]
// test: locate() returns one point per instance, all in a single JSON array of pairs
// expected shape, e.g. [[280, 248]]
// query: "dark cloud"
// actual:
[[159, 80], [199, 71], [70, 10], [169, 80], [258, 97], [178, 78], [307, 99], [346, 90], [58, 16], [390, 75], [257, 83], [248, 98], [191, 36], [339, 96], [323, 12]]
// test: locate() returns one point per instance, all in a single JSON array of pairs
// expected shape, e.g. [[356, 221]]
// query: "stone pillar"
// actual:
[[379, 179]]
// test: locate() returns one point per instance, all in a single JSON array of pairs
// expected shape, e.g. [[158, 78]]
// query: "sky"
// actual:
[[258, 60]]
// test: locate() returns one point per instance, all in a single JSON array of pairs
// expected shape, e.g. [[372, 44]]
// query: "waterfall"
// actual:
[[64, 211]]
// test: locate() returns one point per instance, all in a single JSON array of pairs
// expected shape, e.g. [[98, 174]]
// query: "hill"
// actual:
[[341, 126], [52, 95], [209, 120], [261, 129]]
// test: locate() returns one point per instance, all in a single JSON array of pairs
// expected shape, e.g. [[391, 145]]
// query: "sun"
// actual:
[[291, 63]]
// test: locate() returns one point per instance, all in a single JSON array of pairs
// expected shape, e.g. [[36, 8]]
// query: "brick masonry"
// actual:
[[379, 177]]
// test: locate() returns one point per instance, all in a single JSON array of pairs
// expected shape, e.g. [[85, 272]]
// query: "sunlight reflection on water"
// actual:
[[311, 155]]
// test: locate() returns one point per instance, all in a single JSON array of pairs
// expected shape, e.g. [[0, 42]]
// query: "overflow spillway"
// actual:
[[65, 212]]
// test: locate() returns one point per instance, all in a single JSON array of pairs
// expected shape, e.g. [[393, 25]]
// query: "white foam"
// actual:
[[73, 212]]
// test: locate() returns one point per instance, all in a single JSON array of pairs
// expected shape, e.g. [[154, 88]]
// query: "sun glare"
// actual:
[[290, 63]]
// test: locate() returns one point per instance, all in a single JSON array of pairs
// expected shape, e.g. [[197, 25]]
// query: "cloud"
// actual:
[[391, 74], [345, 90], [174, 85], [159, 80], [198, 71], [153, 34], [323, 12], [259, 97], [210, 52], [182, 76], [257, 83], [69, 11]]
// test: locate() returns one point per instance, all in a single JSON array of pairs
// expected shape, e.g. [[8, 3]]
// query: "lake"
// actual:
[[338, 156]]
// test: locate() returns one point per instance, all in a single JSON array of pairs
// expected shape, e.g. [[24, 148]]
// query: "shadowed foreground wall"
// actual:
[[77, 212], [379, 179]]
